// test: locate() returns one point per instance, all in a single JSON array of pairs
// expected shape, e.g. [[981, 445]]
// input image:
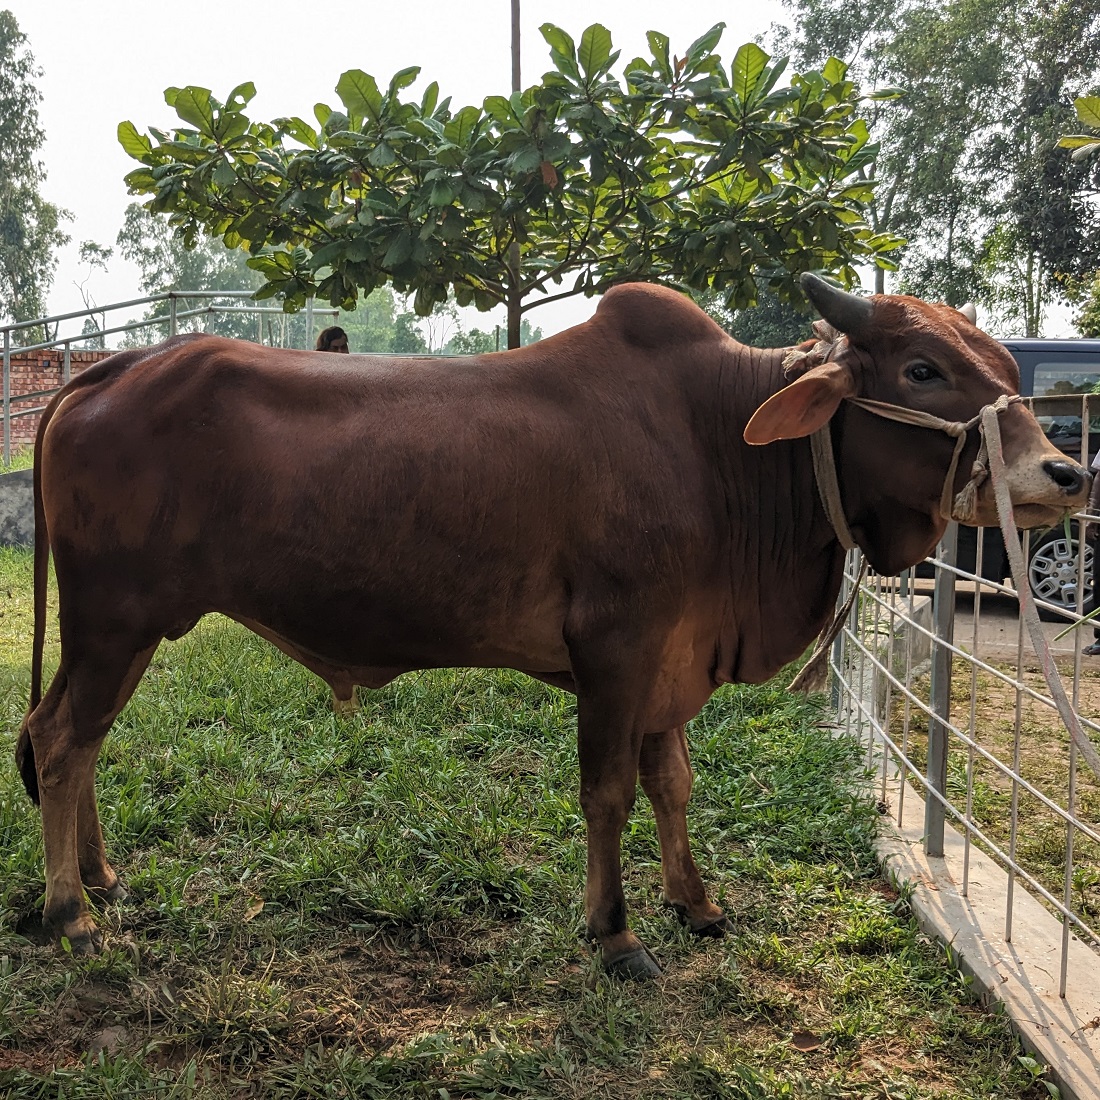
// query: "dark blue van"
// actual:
[[1059, 374]]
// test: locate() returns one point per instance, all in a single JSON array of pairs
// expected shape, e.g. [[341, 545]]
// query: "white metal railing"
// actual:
[[1006, 775], [59, 332]]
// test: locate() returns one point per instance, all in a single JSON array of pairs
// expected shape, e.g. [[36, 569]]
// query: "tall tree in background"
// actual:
[[770, 323], [29, 226], [683, 170], [969, 169], [1085, 293], [167, 264]]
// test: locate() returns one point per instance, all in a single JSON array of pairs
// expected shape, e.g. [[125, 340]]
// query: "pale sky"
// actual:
[[108, 61]]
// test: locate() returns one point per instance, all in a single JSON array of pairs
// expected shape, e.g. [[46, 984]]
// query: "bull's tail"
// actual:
[[24, 759], [24, 750]]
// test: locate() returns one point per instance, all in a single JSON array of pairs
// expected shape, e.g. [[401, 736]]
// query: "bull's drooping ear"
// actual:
[[970, 312], [802, 407]]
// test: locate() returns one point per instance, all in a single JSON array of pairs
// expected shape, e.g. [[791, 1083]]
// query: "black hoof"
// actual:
[[108, 895], [89, 944], [712, 929], [636, 965], [715, 930]]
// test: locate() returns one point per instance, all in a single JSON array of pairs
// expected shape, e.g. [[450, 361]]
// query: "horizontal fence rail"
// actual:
[[936, 675]]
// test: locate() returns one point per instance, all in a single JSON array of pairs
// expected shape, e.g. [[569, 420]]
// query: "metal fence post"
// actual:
[[67, 364], [171, 314], [7, 397], [943, 613], [309, 322]]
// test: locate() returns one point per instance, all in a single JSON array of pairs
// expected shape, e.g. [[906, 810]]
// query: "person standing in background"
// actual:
[[333, 338]]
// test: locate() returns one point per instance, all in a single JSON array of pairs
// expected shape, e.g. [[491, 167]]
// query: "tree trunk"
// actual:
[[1033, 298], [515, 297], [514, 319]]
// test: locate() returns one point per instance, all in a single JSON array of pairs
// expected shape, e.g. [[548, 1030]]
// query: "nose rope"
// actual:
[[960, 506]]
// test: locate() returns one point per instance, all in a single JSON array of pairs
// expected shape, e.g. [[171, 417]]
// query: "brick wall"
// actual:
[[34, 371]]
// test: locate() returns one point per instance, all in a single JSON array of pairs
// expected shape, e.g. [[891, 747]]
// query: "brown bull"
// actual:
[[585, 510]]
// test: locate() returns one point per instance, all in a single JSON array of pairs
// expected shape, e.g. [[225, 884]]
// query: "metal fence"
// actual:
[[940, 680], [88, 329]]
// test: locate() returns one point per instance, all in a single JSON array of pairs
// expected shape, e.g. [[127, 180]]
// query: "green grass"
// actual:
[[22, 458], [387, 906], [1044, 762]]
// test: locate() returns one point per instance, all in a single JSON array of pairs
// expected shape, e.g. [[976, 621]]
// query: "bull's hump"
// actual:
[[650, 316]]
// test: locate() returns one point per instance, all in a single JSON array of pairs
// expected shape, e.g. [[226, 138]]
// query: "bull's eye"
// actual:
[[922, 372]]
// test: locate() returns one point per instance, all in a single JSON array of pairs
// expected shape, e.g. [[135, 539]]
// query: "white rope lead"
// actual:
[[1023, 592]]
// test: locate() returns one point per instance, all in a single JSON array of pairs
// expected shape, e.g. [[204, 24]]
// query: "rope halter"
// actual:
[[961, 506]]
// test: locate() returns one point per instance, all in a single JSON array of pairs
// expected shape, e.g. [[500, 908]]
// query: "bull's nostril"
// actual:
[[1068, 476]]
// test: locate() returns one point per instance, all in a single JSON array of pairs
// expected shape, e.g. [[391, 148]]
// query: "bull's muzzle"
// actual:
[[1072, 479]]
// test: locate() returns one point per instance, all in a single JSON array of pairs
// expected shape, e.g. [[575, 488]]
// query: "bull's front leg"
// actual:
[[609, 777], [665, 773]]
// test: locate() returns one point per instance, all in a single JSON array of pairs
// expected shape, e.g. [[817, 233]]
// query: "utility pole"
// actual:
[[515, 46], [514, 297]]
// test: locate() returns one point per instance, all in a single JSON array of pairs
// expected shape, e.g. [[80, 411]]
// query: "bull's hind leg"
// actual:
[[665, 773], [66, 731]]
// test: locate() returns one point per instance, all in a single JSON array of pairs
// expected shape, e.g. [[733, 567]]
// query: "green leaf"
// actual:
[[134, 144], [223, 175], [403, 79], [1067, 141], [595, 51], [382, 155], [324, 255], [559, 41], [359, 93], [748, 67], [299, 130], [498, 107], [1088, 110], [835, 70], [430, 98], [658, 43], [241, 95], [321, 112], [462, 126], [193, 105], [705, 43], [443, 193], [400, 250]]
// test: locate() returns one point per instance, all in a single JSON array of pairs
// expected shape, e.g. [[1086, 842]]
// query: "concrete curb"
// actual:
[[1062, 1033]]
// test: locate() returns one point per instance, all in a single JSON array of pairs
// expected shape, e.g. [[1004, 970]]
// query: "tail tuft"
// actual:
[[24, 760]]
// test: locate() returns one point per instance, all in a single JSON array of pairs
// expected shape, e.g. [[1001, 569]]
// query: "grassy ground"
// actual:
[[388, 905], [1043, 762], [22, 458]]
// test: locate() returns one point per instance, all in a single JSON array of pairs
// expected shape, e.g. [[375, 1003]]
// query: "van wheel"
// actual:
[[1052, 572]]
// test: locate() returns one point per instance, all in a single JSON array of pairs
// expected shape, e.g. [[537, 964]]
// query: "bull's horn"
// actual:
[[970, 312], [848, 312]]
